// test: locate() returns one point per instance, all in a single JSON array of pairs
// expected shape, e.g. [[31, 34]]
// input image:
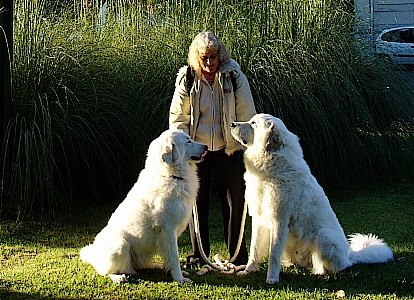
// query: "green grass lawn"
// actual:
[[40, 260]]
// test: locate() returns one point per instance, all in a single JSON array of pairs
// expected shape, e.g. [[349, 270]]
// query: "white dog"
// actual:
[[290, 210], [154, 214]]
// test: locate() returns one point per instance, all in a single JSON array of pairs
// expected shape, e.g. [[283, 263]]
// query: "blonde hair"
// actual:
[[206, 41]]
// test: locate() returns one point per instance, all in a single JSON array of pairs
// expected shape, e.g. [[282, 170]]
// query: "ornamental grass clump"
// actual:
[[92, 89]]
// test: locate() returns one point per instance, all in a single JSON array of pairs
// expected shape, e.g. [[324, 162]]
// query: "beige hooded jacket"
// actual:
[[237, 106]]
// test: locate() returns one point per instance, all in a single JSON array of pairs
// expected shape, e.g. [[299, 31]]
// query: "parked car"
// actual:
[[396, 45]]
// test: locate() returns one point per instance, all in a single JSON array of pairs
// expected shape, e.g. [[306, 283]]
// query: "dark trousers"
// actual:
[[227, 172]]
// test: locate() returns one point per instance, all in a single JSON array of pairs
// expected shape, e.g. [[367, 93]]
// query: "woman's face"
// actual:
[[209, 61]]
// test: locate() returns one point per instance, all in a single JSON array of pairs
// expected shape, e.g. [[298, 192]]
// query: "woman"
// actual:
[[206, 101]]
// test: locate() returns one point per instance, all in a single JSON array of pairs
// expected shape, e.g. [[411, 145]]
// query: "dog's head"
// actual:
[[177, 147], [263, 131]]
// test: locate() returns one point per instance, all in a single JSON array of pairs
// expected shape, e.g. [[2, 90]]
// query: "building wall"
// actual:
[[373, 16]]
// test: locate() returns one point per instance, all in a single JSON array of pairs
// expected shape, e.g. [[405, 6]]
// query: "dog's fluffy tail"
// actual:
[[368, 249]]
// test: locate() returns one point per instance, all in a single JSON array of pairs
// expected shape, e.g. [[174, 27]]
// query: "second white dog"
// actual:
[[154, 214], [289, 209]]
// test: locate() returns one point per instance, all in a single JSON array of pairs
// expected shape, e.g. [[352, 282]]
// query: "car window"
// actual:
[[391, 36], [410, 36], [405, 35]]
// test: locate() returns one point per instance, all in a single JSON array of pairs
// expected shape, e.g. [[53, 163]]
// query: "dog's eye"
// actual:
[[253, 123]]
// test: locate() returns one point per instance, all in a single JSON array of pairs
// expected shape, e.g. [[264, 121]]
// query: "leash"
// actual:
[[221, 263]]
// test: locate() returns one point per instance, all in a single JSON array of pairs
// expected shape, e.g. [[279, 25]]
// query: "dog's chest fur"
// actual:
[[277, 168], [272, 181]]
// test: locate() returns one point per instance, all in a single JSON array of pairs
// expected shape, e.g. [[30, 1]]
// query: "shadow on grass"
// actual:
[[394, 279]]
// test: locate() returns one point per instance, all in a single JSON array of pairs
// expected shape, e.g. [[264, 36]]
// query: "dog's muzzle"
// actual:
[[202, 155], [235, 132]]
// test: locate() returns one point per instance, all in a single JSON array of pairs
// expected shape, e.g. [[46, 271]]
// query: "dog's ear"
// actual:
[[167, 153], [274, 142]]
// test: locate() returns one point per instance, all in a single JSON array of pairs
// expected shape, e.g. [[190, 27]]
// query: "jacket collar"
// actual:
[[229, 66]]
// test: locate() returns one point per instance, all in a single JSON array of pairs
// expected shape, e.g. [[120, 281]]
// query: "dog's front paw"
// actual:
[[243, 273], [250, 268], [118, 278], [184, 280], [272, 280]]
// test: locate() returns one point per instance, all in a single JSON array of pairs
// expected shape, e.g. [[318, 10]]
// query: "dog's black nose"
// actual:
[[232, 125]]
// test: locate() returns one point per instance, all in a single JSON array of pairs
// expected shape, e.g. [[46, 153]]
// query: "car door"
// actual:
[[399, 45]]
